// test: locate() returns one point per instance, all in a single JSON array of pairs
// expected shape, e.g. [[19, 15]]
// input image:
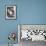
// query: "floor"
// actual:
[[30, 43], [7, 45]]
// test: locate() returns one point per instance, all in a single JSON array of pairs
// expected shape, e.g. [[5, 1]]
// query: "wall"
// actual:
[[33, 12], [28, 12]]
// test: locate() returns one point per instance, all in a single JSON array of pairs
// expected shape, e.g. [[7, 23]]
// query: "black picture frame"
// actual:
[[10, 12]]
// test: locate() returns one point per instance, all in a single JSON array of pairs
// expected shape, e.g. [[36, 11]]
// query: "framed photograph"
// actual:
[[10, 12], [33, 32]]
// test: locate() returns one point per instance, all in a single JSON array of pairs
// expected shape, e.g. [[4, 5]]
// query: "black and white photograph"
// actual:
[[11, 12], [31, 34]]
